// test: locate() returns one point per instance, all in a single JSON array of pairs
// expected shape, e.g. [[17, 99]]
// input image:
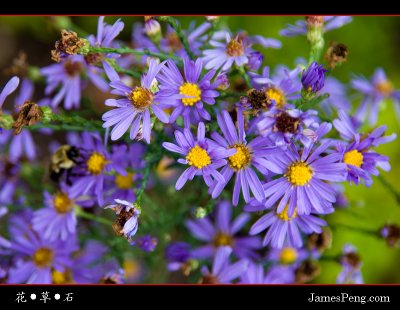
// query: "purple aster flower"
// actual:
[[9, 181], [106, 33], [280, 275], [281, 125], [22, 144], [223, 233], [330, 23], [248, 155], [255, 274], [234, 50], [351, 263], [255, 61], [86, 267], [146, 243], [8, 89], [375, 91], [196, 38], [105, 37], [122, 186], [58, 220], [178, 256], [222, 271], [288, 255], [91, 172], [187, 94], [202, 156], [35, 256], [68, 74], [128, 214], [356, 154], [134, 110], [284, 85], [313, 78], [284, 228], [301, 185]]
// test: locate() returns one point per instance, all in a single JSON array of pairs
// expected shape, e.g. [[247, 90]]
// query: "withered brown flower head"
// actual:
[[336, 54], [391, 234], [257, 99], [307, 271], [320, 242], [29, 114], [69, 43], [285, 123], [352, 259]]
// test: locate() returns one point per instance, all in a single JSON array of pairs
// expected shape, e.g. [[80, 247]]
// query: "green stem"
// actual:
[[83, 214], [177, 27], [356, 229], [245, 76], [142, 188], [128, 72], [127, 50], [390, 188]]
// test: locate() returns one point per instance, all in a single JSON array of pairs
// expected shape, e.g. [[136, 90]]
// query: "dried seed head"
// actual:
[[307, 271], [320, 242], [69, 44], [336, 54], [29, 114]]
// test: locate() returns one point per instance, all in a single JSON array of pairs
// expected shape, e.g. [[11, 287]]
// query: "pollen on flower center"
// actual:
[[276, 94], [198, 157], [284, 215], [288, 255], [235, 48], [43, 257], [354, 158], [241, 158], [62, 203], [222, 239], [190, 89], [299, 174], [124, 181], [59, 277], [385, 87], [141, 97], [96, 163]]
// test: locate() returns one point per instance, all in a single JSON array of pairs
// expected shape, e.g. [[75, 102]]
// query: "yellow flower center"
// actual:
[[59, 277], [299, 174], [222, 239], [141, 97], [235, 48], [131, 268], [288, 256], [385, 87], [198, 157], [241, 158], [354, 158], [43, 257], [62, 203], [190, 89], [284, 215], [276, 94], [124, 181], [96, 163]]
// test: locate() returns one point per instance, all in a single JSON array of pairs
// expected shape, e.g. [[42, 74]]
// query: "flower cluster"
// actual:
[[250, 152]]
